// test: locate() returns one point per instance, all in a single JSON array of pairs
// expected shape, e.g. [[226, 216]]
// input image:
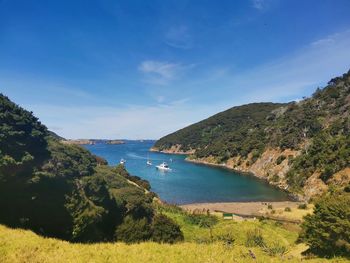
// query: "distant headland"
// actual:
[[92, 141]]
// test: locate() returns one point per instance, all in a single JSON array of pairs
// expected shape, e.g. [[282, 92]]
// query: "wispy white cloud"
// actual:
[[179, 37], [158, 72], [162, 73], [323, 41], [301, 72], [163, 69], [259, 4], [292, 76]]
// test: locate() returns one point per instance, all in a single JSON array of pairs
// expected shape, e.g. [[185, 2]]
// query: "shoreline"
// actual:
[[255, 209], [294, 197]]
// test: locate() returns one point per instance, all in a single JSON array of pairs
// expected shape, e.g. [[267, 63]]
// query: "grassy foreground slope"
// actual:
[[25, 246], [227, 241], [17, 245]]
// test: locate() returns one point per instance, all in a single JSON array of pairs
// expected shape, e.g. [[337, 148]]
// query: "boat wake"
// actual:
[[140, 157], [135, 156]]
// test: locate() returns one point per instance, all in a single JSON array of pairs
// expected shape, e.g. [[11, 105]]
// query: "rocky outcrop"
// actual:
[[314, 186], [341, 178]]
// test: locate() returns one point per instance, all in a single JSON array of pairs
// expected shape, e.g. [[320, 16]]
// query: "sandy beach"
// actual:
[[242, 208]]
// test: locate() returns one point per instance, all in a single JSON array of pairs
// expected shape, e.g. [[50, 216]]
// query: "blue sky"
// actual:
[[143, 69]]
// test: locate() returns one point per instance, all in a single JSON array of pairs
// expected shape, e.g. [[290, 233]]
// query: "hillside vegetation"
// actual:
[[219, 241], [64, 191], [298, 146]]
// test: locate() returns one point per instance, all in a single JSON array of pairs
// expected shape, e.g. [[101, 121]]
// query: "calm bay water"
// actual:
[[187, 182]]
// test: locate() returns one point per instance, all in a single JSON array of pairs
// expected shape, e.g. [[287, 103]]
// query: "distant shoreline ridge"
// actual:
[[91, 141]]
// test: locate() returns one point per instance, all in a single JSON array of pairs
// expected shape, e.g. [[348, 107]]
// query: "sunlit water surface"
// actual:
[[186, 182]]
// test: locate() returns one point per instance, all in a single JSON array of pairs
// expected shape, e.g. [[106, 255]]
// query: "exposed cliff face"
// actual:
[[314, 186]]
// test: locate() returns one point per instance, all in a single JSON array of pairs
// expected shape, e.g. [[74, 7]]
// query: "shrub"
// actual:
[[288, 209], [269, 206], [280, 159], [227, 239], [327, 230], [151, 195], [201, 220], [133, 178], [255, 238], [278, 223], [347, 188], [255, 155], [275, 178], [165, 230], [100, 160], [275, 249], [171, 208], [290, 159], [132, 231], [302, 206]]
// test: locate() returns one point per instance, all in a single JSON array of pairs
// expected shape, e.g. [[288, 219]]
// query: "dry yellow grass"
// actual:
[[24, 246], [294, 214]]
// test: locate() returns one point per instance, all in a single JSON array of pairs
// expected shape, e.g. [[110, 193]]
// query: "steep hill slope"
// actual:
[[64, 191], [300, 146], [218, 134]]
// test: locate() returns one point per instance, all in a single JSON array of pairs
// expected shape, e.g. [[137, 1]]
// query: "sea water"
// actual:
[[186, 182]]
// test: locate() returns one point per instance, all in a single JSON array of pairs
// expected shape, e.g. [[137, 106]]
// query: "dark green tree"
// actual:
[[133, 230], [165, 230], [22, 140], [327, 230]]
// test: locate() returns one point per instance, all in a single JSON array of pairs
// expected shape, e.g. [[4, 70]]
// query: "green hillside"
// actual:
[[234, 131], [64, 191], [316, 130]]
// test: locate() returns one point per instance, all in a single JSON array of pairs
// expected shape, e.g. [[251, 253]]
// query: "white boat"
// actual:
[[122, 161], [148, 160], [163, 167]]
